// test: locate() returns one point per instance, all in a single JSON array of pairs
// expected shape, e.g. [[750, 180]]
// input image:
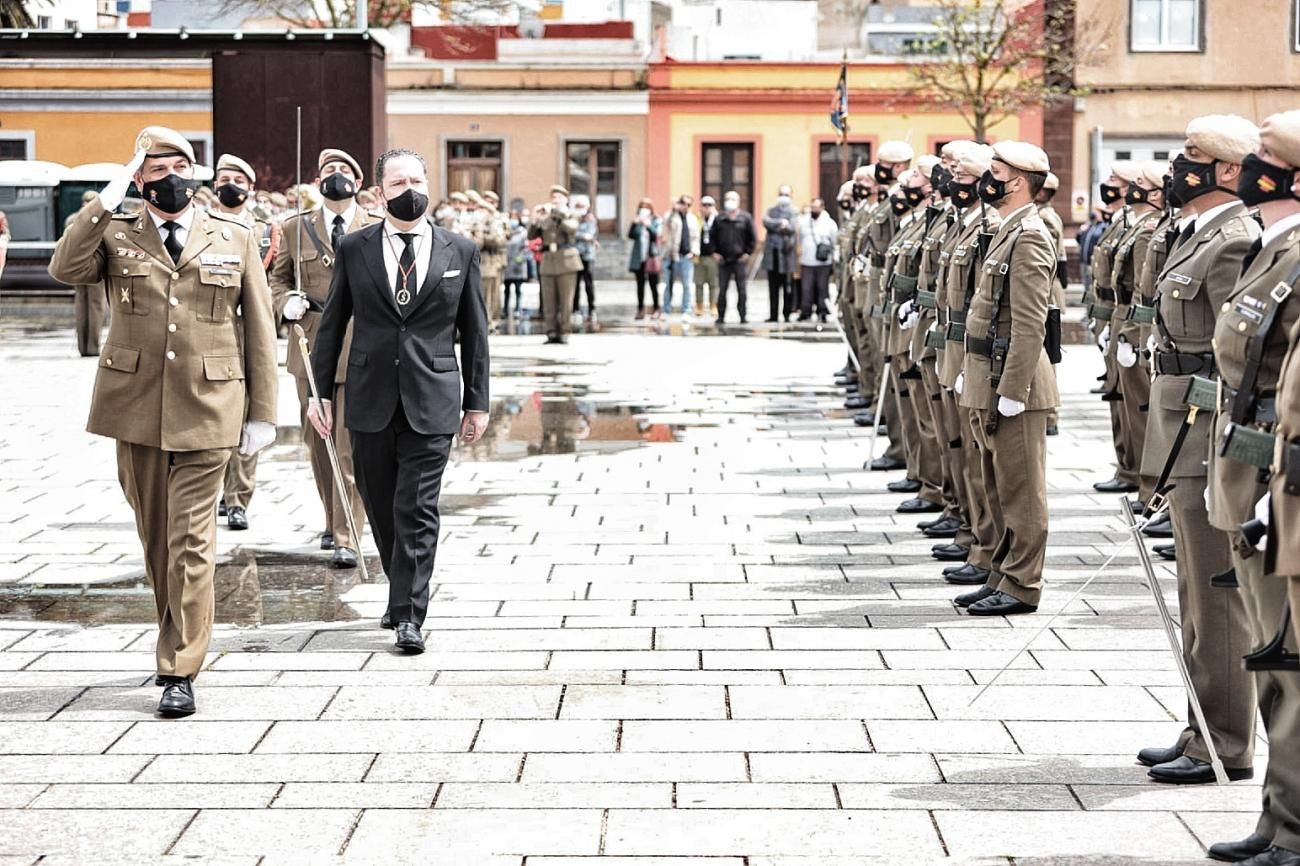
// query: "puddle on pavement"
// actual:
[[253, 588]]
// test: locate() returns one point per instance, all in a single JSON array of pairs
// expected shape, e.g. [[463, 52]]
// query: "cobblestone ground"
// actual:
[[673, 623]]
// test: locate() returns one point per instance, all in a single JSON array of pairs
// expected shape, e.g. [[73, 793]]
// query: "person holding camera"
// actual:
[[817, 234]]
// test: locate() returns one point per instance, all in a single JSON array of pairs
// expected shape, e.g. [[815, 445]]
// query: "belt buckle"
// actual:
[[1003, 268], [1280, 292]]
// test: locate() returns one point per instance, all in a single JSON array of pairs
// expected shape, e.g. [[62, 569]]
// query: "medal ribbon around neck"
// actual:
[[403, 295]]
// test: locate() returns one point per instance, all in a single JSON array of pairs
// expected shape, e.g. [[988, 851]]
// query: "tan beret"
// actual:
[[1126, 170], [474, 197], [460, 197], [233, 163], [895, 151], [1052, 183], [279, 199], [975, 160], [561, 190], [491, 196], [158, 141], [1281, 135], [1021, 155], [926, 164], [333, 154], [1225, 137], [913, 177], [865, 173], [953, 149], [1153, 171], [846, 191]]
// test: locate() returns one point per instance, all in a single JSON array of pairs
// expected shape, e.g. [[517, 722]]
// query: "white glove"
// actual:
[[1103, 339], [1009, 408], [112, 196], [295, 307], [959, 384], [1152, 342], [913, 316], [904, 311], [1124, 354], [859, 264], [1261, 514], [256, 436]]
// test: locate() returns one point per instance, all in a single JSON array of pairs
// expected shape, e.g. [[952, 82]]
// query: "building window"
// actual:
[[474, 165], [729, 167], [593, 169], [1165, 25], [14, 148], [831, 170]]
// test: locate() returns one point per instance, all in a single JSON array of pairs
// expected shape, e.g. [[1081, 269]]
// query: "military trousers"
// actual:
[[174, 497], [1216, 633], [240, 479], [491, 287], [925, 429], [1135, 386], [1278, 694], [334, 505], [91, 308], [984, 532], [904, 435], [1127, 457], [949, 431], [557, 302], [1013, 457]]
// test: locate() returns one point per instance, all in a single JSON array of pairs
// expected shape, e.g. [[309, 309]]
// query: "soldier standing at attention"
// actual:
[[1008, 379], [558, 229], [309, 244], [178, 385], [494, 234], [1056, 228], [1199, 274], [234, 186]]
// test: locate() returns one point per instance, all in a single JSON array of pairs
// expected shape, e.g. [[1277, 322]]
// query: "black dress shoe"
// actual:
[[1159, 528], [967, 575], [969, 598], [1053, 430], [1275, 856], [1186, 770], [904, 485], [884, 464], [851, 387], [177, 698], [327, 540], [1244, 849], [856, 402], [950, 553], [933, 521], [1166, 551], [842, 379], [918, 506], [343, 558], [1114, 485], [221, 509], [946, 528], [1153, 755], [408, 638], [236, 518], [1000, 604], [865, 419], [1137, 506], [386, 621]]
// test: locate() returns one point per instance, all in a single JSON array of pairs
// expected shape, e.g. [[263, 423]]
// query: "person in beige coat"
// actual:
[[177, 386], [1008, 379]]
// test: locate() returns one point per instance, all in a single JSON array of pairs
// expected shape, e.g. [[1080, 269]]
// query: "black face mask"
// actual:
[[881, 194], [898, 204], [1262, 181], [860, 191], [963, 194], [884, 174], [845, 205], [231, 195], [914, 196], [1136, 195], [1192, 179], [171, 194], [991, 189], [1171, 200], [408, 206], [338, 186], [1110, 194], [939, 179]]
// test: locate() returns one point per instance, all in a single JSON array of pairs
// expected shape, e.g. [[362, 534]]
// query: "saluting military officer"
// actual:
[[234, 183], [178, 385], [300, 282], [1008, 379], [1250, 344], [1198, 277], [558, 229]]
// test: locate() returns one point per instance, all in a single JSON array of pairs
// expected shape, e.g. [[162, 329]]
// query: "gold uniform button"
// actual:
[[1227, 305], [171, 328], [171, 356], [126, 270], [94, 219], [108, 362], [173, 302], [1241, 326], [175, 276], [1176, 295]]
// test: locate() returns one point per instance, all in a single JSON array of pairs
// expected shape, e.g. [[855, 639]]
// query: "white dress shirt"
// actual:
[[1204, 218], [183, 220], [327, 216], [394, 246], [1283, 225]]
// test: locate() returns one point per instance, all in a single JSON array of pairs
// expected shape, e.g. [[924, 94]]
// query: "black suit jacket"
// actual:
[[410, 356]]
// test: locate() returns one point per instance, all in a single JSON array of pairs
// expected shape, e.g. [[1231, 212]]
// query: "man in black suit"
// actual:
[[409, 288]]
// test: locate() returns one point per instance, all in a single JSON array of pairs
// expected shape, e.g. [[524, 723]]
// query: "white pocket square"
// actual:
[[449, 274]]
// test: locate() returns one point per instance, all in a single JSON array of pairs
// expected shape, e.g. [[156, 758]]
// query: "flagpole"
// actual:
[[844, 128]]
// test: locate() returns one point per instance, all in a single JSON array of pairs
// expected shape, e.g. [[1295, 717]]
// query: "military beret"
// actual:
[[926, 164], [1052, 183], [953, 149], [895, 151], [474, 197], [279, 199], [491, 196], [865, 173], [333, 154], [1153, 172], [1126, 170], [975, 160], [158, 141], [561, 190], [459, 197], [1021, 155], [1225, 137], [846, 191], [911, 178], [233, 163], [1281, 135]]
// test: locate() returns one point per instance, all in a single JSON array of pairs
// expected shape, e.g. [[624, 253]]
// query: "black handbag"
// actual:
[[824, 251]]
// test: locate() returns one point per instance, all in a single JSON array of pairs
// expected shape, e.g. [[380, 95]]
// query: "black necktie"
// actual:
[[406, 271], [171, 242], [337, 233], [1187, 232], [1251, 254]]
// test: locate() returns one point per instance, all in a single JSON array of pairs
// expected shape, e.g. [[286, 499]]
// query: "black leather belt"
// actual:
[[878, 259], [958, 316], [1107, 295], [1265, 406], [979, 346], [1290, 467], [1183, 363]]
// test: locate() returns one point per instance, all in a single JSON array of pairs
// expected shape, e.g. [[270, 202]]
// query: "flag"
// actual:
[[840, 101]]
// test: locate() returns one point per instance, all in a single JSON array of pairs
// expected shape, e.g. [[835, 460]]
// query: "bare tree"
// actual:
[[991, 59], [309, 14], [14, 15]]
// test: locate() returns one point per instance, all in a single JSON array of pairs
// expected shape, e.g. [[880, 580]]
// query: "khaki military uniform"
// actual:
[[559, 268], [879, 232], [1055, 228], [863, 336], [1198, 277], [1144, 302], [491, 234], [90, 306], [1102, 311], [176, 382], [1020, 265], [311, 248], [1134, 383]]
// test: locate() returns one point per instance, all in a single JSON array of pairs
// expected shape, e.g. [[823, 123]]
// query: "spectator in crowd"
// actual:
[[706, 268], [779, 257], [517, 259], [643, 259], [734, 240], [681, 248], [1088, 236], [587, 245], [817, 236]]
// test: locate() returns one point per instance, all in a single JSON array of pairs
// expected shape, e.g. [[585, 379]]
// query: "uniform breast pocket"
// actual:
[[129, 286], [1184, 308], [216, 295]]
